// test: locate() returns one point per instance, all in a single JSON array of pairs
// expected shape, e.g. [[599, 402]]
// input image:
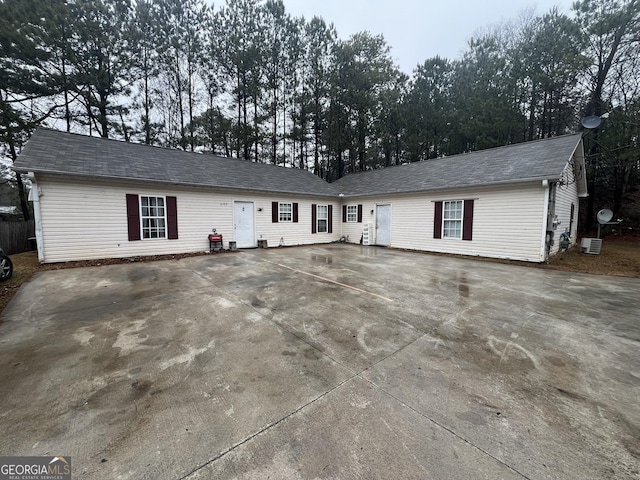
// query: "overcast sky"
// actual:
[[418, 29]]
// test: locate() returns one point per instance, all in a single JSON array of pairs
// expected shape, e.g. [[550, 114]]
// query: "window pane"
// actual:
[[153, 217], [352, 213], [322, 226], [452, 210], [452, 229], [285, 210], [452, 219]]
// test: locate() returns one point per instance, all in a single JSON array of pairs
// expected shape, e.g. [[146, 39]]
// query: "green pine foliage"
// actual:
[[246, 79]]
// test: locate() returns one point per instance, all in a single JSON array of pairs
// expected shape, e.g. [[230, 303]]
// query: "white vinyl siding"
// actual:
[[506, 221], [566, 194], [72, 233]]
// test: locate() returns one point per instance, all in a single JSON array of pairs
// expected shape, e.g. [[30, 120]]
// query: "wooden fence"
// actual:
[[14, 235]]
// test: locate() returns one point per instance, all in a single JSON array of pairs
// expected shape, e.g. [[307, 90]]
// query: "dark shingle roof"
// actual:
[[537, 160], [51, 151]]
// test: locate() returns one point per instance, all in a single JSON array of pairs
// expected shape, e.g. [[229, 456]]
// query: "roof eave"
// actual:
[[454, 187], [166, 182]]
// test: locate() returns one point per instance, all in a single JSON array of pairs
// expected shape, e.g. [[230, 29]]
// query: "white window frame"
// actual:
[[160, 221], [352, 213], [284, 216], [324, 208], [449, 220]]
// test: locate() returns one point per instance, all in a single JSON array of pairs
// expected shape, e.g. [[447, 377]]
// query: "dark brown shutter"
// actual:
[[133, 217], [313, 218], [295, 213], [359, 213], [330, 219], [571, 218], [172, 218], [467, 220], [274, 212], [437, 220], [344, 213]]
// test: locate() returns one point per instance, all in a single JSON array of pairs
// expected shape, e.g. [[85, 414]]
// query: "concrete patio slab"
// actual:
[[333, 361], [372, 436]]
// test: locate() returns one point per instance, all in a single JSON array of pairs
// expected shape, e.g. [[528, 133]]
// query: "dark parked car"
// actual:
[[6, 266]]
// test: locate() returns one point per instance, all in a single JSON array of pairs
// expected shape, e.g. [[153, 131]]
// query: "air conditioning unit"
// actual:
[[591, 245]]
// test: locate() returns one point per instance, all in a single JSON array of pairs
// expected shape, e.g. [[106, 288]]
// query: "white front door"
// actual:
[[383, 225], [243, 224]]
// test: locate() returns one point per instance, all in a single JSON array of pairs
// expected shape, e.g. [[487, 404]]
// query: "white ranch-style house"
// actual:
[[98, 198]]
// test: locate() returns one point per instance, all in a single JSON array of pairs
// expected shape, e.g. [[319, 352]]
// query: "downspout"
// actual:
[[34, 195], [341, 196], [544, 241]]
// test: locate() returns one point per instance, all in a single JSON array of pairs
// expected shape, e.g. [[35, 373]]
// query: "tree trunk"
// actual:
[[190, 100], [147, 110], [183, 140], [24, 204]]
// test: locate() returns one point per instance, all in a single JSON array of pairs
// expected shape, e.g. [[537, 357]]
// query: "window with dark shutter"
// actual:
[[274, 212], [437, 220], [359, 213], [172, 218], [133, 217], [313, 218], [330, 220], [467, 220], [344, 213], [295, 213]]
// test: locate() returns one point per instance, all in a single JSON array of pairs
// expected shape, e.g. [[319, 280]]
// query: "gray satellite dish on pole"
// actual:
[[591, 122], [604, 216]]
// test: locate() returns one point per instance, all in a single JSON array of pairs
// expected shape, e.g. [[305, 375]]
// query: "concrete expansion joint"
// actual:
[[447, 429], [427, 417], [266, 428]]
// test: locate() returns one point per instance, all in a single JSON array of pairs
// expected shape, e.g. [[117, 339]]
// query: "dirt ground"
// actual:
[[620, 256]]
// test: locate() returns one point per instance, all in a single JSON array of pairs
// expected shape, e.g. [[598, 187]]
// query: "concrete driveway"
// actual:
[[329, 362]]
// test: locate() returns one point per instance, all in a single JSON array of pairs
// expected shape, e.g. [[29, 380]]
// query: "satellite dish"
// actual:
[[604, 216], [591, 122]]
